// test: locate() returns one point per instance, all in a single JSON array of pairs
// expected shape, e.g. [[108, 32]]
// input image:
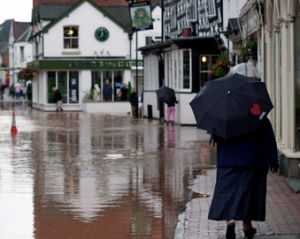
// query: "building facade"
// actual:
[[281, 71], [193, 38], [77, 45]]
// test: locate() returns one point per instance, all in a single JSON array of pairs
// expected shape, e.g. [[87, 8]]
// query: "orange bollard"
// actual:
[[13, 129]]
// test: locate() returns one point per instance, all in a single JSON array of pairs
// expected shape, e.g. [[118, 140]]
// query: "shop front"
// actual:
[[76, 79]]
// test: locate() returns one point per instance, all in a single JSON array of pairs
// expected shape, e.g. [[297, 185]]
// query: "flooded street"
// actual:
[[78, 175]]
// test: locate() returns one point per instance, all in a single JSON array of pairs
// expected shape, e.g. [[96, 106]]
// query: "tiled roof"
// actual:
[[22, 31], [4, 30]]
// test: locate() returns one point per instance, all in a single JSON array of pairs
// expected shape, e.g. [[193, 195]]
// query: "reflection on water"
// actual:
[[77, 175]]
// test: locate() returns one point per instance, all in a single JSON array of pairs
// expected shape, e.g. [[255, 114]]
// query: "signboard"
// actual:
[[84, 64], [141, 17]]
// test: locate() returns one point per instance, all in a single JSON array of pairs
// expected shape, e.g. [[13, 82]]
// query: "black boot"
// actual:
[[230, 231]]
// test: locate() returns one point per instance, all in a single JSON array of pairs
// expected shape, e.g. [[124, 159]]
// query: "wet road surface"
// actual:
[[77, 175]]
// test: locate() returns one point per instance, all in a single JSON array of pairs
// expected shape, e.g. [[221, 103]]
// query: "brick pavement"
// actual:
[[282, 217]]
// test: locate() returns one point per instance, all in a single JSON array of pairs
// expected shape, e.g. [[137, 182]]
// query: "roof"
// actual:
[[233, 29], [22, 31], [54, 12], [5, 30], [206, 44]]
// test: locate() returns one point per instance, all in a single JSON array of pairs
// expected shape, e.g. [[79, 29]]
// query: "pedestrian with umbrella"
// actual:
[[234, 109], [167, 95]]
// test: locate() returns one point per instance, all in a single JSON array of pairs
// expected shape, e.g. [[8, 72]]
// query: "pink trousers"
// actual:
[[170, 114]]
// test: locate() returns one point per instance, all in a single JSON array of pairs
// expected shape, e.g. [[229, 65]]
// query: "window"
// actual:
[[191, 10], [71, 37], [68, 84], [73, 87], [205, 63], [211, 8], [22, 58], [186, 69], [178, 69], [173, 17]]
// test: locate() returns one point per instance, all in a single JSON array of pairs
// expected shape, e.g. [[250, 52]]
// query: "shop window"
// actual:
[[178, 69], [73, 87], [205, 63], [71, 37], [186, 69], [67, 83], [62, 85], [51, 81]]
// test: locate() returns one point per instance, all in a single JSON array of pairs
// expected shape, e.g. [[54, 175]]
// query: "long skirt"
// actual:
[[240, 194]]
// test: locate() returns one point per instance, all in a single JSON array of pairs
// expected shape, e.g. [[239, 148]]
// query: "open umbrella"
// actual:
[[232, 105], [246, 69], [166, 94]]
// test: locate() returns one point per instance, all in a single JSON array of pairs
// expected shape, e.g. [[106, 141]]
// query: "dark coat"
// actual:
[[133, 98], [57, 96], [256, 150], [124, 94], [107, 92]]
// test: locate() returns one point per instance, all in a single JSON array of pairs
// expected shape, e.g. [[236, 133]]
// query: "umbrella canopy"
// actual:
[[232, 105], [246, 69], [166, 95]]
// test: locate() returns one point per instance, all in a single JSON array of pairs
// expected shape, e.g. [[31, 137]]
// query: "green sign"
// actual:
[[84, 64]]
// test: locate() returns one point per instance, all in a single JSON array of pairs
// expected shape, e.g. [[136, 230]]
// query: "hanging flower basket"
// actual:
[[249, 50], [26, 74], [221, 67]]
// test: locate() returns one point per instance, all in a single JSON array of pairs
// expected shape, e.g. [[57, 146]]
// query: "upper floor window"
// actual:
[[211, 8], [71, 37], [192, 10], [22, 58], [173, 17]]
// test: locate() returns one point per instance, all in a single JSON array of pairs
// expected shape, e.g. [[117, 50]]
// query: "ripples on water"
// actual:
[[78, 175]]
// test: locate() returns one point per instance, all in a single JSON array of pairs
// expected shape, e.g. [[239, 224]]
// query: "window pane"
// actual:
[[51, 81], [62, 85], [74, 43], [73, 87], [186, 69]]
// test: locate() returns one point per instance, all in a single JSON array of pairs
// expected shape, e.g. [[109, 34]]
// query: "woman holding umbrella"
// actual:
[[234, 110], [242, 166]]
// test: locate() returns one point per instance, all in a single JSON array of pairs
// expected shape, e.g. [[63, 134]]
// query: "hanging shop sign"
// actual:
[[141, 17]]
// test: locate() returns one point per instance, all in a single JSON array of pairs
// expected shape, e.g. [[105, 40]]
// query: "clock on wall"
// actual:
[[101, 34]]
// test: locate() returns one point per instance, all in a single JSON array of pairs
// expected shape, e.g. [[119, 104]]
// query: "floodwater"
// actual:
[[83, 176]]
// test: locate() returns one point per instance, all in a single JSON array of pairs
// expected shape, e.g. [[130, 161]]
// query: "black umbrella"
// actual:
[[231, 105], [166, 95]]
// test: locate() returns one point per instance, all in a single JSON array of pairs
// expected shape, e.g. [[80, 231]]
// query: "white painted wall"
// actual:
[[116, 45]]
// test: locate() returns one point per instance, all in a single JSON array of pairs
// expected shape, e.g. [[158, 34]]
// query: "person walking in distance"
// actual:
[[133, 102], [57, 99], [107, 91], [18, 88], [243, 163], [170, 117]]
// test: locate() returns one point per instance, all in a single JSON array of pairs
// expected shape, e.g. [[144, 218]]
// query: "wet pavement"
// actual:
[[78, 175]]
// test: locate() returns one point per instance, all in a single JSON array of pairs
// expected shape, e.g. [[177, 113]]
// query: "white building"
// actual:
[[78, 45], [20, 49]]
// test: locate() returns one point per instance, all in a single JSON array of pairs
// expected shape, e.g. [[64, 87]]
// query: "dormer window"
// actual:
[[71, 37]]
